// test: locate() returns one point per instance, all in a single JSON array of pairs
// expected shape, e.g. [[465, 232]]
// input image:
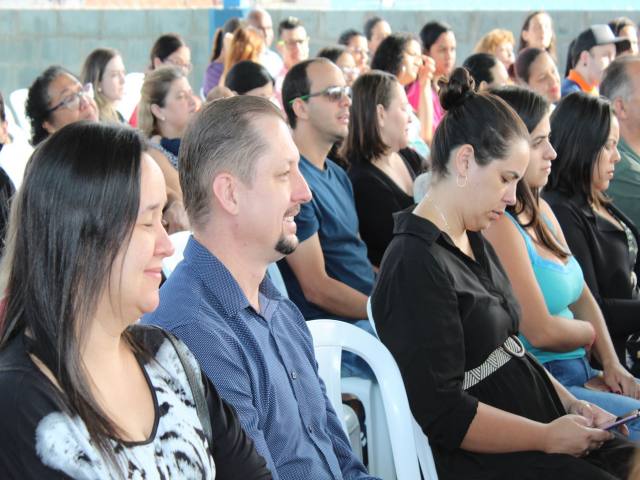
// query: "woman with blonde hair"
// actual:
[[498, 42], [105, 70], [166, 106], [247, 44]]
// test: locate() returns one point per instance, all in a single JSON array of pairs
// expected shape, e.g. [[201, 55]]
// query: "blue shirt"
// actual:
[[332, 214], [568, 86], [262, 363]]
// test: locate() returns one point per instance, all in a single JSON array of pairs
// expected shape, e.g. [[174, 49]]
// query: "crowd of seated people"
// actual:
[[486, 215]]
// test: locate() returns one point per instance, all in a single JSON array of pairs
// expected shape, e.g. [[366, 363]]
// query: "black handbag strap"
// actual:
[[197, 387]]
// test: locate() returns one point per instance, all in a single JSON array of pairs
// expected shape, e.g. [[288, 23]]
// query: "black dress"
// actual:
[[377, 198], [441, 313]]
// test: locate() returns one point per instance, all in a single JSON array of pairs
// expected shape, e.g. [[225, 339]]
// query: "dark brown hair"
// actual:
[[531, 108], [482, 120], [580, 127], [551, 49], [69, 221], [364, 141]]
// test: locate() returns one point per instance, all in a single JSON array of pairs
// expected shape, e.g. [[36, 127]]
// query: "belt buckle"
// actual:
[[509, 349]]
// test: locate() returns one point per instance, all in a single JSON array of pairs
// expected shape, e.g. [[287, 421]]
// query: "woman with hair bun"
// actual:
[[444, 308]]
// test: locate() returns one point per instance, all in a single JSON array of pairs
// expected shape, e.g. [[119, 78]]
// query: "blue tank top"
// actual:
[[561, 285]]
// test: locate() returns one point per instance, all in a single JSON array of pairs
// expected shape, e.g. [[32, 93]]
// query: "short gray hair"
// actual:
[[221, 138], [616, 82]]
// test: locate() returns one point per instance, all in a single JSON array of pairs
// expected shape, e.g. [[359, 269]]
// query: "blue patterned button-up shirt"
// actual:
[[262, 363]]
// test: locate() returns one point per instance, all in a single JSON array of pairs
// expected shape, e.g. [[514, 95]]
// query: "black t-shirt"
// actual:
[[41, 439]]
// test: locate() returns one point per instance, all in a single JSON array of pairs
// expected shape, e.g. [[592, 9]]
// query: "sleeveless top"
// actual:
[[561, 285]]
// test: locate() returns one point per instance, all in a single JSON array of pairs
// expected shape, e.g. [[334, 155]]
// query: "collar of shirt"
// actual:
[[213, 273], [574, 76]]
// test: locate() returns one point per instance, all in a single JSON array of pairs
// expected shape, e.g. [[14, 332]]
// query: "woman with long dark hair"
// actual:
[[444, 308], [381, 167], [85, 392], [560, 318], [585, 133]]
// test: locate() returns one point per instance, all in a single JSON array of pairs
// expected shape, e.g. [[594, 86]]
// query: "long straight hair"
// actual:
[[93, 72], [531, 108], [76, 209]]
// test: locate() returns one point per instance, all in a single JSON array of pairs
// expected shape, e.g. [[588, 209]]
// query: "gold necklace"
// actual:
[[437, 209]]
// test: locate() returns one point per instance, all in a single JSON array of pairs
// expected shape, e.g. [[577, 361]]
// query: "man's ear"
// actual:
[[300, 108], [620, 108], [225, 194]]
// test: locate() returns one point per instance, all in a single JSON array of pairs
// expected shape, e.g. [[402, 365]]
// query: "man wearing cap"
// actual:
[[589, 55]]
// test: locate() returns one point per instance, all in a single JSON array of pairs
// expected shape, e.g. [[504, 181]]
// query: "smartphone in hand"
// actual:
[[621, 420]]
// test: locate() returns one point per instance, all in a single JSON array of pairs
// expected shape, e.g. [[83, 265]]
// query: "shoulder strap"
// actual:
[[196, 387]]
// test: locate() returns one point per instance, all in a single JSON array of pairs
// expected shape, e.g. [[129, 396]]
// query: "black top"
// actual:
[[41, 439], [377, 198], [602, 250], [441, 313]]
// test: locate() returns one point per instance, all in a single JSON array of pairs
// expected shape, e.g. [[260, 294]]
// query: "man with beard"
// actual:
[[329, 274], [239, 173]]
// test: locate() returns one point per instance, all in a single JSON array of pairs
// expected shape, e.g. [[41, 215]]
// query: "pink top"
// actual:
[[413, 95]]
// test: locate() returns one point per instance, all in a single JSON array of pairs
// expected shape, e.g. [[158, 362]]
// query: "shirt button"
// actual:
[[294, 375], [310, 430]]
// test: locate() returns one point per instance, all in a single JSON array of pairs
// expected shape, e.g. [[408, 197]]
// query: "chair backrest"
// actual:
[[179, 241], [330, 337], [423, 450], [132, 85], [17, 101]]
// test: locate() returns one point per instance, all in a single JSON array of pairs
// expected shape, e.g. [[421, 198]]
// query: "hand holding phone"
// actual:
[[621, 420]]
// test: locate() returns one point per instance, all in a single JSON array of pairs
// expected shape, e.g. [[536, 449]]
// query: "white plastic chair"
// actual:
[[425, 455], [132, 85], [330, 337], [17, 101], [179, 241]]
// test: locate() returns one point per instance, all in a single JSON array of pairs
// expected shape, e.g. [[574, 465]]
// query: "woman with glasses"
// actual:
[[342, 57], [444, 307], [166, 106], [85, 391], [105, 71], [57, 98], [381, 167], [400, 54]]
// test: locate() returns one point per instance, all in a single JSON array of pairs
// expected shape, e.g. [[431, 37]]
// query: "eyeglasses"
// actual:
[[186, 67], [334, 94], [72, 102], [294, 42]]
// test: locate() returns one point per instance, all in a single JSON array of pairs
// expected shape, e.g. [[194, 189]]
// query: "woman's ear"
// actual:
[[156, 110], [463, 159], [381, 113]]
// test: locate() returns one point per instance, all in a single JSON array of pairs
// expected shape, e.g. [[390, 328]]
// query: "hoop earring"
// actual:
[[458, 183]]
